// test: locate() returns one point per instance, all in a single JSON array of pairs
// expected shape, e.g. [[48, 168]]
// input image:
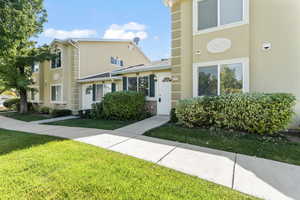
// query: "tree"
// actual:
[[20, 20], [17, 72]]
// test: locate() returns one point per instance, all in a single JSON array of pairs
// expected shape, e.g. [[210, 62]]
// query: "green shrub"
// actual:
[[97, 111], [124, 105], [253, 113], [61, 113], [85, 114], [173, 117], [45, 110], [11, 103]]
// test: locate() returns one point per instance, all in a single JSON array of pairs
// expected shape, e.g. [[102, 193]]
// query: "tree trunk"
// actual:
[[23, 101]]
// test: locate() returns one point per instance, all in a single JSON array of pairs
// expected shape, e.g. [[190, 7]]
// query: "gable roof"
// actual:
[[156, 65], [76, 40]]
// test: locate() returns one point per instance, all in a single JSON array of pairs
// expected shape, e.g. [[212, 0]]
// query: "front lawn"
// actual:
[[28, 117], [91, 123], [278, 149], [43, 167]]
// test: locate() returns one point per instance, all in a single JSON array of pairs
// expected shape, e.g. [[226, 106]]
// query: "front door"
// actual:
[[164, 94], [87, 97]]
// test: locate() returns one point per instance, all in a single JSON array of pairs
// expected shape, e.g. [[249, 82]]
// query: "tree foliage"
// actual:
[[20, 21]]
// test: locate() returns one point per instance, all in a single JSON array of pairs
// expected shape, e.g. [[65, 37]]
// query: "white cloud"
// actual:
[[126, 31], [62, 34]]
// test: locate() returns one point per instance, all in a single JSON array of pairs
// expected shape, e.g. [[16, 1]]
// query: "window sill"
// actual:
[[219, 28], [58, 102], [54, 69]]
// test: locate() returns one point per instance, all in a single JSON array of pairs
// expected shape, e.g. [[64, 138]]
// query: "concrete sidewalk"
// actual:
[[255, 176], [57, 119]]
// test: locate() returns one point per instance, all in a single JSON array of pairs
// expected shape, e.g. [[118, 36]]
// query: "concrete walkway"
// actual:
[[57, 119], [255, 176]]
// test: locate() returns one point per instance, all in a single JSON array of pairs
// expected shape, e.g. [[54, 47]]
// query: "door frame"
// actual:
[[159, 95]]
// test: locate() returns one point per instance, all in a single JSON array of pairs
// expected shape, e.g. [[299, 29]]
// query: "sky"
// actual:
[[114, 19]]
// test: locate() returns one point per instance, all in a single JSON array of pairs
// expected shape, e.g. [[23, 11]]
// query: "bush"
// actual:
[[124, 105], [12, 103], [61, 113], [45, 110], [173, 117], [85, 114], [253, 113], [97, 111]]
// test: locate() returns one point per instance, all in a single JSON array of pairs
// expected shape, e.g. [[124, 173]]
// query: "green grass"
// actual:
[[90, 123], [29, 117], [274, 148], [43, 167]]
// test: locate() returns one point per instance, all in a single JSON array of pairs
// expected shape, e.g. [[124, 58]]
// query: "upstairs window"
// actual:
[[35, 67], [116, 61], [56, 62], [219, 13]]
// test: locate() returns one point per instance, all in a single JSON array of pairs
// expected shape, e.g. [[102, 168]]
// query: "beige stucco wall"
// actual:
[[273, 21], [95, 56], [278, 70]]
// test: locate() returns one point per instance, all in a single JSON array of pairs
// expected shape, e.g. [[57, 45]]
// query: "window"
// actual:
[[99, 92], [144, 85], [218, 13], [56, 62], [132, 84], [208, 81], [32, 94], [220, 79], [56, 93], [116, 61], [231, 78], [35, 67]]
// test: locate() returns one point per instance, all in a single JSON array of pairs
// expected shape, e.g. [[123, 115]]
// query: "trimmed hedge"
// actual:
[[61, 113], [11, 103], [253, 113], [124, 105], [45, 110], [97, 111]]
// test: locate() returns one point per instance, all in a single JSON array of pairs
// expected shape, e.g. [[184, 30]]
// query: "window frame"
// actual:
[[245, 71], [116, 61], [36, 94], [219, 27], [62, 94], [61, 61], [34, 69], [137, 83]]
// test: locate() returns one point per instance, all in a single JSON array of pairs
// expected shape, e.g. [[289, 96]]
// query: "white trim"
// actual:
[[61, 61], [244, 61], [37, 87], [246, 18], [137, 86], [62, 94]]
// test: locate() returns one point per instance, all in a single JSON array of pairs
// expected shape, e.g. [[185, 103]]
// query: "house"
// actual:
[[225, 46], [154, 79], [56, 82]]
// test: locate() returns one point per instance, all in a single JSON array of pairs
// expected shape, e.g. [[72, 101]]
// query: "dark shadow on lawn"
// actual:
[[13, 140]]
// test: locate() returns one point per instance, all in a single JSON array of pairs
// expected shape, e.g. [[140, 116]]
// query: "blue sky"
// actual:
[[119, 19]]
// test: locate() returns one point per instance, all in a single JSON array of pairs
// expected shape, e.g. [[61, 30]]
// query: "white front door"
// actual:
[[87, 97], [164, 94]]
